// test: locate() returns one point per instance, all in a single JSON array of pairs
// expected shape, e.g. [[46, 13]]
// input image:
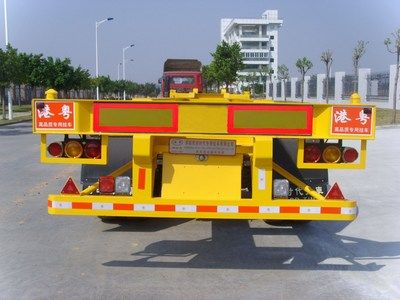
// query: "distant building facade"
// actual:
[[258, 39]]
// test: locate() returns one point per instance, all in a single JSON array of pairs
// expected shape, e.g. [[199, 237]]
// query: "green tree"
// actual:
[[227, 61], [358, 52], [9, 71], [303, 65], [209, 77], [327, 58], [266, 74], [252, 80], [396, 51], [283, 74]]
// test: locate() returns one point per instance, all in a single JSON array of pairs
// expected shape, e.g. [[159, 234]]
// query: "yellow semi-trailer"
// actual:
[[197, 155]]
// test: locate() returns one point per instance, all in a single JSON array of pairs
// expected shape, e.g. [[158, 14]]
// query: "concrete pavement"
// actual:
[[47, 257]]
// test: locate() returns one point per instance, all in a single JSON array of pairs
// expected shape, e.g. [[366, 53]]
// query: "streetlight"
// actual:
[[97, 53], [10, 109], [123, 64], [120, 64]]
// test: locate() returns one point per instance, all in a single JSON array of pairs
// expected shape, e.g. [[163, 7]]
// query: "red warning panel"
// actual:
[[351, 120], [54, 115], [70, 187]]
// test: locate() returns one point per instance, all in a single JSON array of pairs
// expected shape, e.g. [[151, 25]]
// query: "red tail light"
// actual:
[[106, 184], [93, 149], [312, 153], [349, 155], [55, 149]]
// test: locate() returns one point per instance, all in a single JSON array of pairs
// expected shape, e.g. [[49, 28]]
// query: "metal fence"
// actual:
[[279, 89], [331, 88], [378, 87], [312, 87], [288, 89], [348, 82], [271, 90], [298, 89]]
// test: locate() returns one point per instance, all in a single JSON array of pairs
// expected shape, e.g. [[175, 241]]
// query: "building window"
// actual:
[[272, 37], [263, 44], [271, 49], [271, 60], [250, 30]]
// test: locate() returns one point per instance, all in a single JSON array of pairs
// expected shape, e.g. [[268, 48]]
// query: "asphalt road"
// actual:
[[47, 257]]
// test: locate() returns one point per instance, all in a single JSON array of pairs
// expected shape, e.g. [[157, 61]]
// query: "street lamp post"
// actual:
[[119, 64], [10, 109], [123, 64], [97, 54]]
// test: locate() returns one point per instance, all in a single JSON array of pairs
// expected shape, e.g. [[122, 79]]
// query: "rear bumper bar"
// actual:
[[123, 206]]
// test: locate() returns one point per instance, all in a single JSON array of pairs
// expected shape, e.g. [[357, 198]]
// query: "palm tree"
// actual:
[[303, 66], [326, 58]]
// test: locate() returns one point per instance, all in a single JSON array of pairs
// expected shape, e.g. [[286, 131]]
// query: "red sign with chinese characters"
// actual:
[[54, 115], [351, 120]]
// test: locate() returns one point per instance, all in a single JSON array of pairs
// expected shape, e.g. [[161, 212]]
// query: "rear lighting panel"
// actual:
[[92, 152], [311, 154]]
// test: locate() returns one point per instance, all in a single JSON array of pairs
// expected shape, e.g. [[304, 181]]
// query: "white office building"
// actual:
[[258, 39]]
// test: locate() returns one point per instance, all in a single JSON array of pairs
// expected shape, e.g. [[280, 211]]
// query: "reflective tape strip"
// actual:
[[102, 206], [261, 179], [144, 207], [310, 210], [202, 208], [185, 208], [61, 204], [269, 210], [227, 209], [348, 210]]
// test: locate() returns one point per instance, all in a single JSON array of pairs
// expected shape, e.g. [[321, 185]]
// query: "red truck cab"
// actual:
[[182, 75]]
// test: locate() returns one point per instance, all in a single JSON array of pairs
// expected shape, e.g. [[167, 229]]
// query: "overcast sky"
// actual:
[[191, 29]]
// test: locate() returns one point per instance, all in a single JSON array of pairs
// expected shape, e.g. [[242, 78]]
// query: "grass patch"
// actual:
[[16, 108], [16, 120], [384, 116]]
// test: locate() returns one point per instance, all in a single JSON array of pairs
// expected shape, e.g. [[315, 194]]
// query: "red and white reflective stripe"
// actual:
[[227, 209], [269, 210], [348, 210], [185, 208], [261, 179]]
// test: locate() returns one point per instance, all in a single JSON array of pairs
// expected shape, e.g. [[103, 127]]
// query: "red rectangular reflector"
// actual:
[[121, 206], [330, 210], [290, 209], [81, 205], [135, 117], [164, 207], [106, 184], [206, 208], [248, 209], [270, 119], [142, 179]]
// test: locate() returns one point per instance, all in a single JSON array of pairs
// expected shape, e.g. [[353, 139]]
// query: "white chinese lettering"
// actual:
[[65, 112], [45, 112], [362, 117], [341, 116]]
